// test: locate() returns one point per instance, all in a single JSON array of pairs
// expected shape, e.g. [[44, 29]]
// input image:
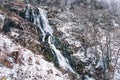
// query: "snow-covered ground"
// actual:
[[67, 28], [29, 66]]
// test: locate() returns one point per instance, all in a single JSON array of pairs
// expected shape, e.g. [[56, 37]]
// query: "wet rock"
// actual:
[[7, 24], [50, 71], [15, 56], [48, 53]]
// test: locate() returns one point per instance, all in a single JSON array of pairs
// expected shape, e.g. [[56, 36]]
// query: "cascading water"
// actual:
[[47, 28], [27, 11], [42, 22], [37, 22]]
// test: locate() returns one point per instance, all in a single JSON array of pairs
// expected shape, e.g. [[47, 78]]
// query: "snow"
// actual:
[[117, 71], [31, 66], [13, 34], [68, 36], [117, 75], [80, 55], [2, 16]]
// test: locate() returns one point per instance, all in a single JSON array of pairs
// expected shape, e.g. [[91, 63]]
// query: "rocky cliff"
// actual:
[[85, 35], [23, 55]]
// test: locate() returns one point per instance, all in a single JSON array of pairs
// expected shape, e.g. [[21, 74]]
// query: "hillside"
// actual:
[[59, 40]]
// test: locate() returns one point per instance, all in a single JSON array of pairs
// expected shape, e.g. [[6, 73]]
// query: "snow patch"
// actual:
[[31, 66]]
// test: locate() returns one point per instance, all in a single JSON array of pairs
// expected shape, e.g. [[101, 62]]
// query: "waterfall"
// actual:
[[61, 59], [27, 11], [63, 62], [46, 27], [40, 27], [42, 22]]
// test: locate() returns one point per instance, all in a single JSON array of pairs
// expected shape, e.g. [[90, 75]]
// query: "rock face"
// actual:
[[21, 48], [86, 33], [85, 27], [27, 35]]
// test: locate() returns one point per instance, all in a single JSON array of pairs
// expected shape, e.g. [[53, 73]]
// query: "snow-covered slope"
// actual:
[[84, 35], [24, 64]]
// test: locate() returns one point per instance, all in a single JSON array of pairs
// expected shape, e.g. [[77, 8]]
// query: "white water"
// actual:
[[61, 59], [42, 22], [2, 17], [27, 11], [47, 28], [38, 24], [45, 22]]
